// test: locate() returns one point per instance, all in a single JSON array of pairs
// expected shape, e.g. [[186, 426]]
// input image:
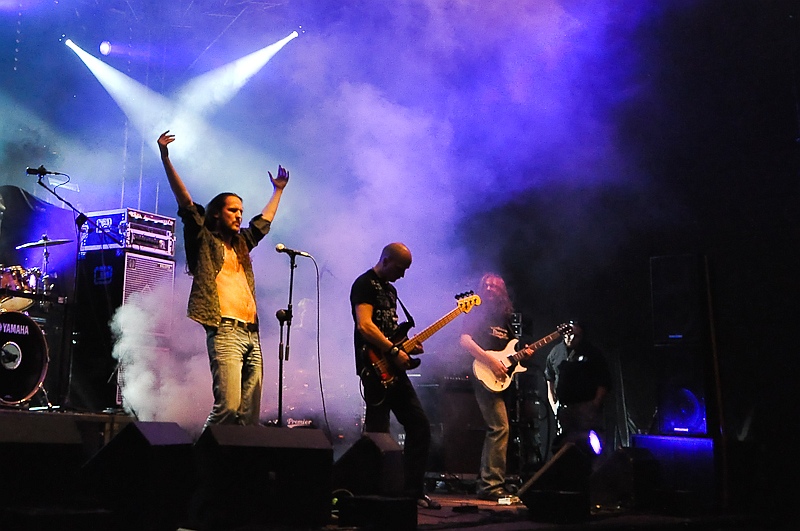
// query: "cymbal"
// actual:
[[45, 241]]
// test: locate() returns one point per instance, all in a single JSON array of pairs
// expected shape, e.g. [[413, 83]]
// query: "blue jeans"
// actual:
[[495, 444], [237, 375]]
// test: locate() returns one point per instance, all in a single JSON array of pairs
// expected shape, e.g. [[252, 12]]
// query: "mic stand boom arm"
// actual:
[[81, 218]]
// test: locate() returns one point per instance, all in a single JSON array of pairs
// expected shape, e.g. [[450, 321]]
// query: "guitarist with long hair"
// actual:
[[487, 328], [373, 299]]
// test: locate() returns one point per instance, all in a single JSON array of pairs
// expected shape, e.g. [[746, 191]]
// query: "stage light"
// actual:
[[594, 442], [105, 47]]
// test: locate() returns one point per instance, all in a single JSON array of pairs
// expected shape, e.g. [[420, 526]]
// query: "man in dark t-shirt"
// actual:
[[578, 381], [373, 300]]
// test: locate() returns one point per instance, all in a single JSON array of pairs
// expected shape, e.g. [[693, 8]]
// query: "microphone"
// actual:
[[281, 248], [40, 171]]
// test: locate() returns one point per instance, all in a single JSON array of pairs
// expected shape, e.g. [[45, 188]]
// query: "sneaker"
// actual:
[[426, 502]]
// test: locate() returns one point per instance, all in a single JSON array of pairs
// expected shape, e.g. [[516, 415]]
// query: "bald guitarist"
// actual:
[[373, 299]]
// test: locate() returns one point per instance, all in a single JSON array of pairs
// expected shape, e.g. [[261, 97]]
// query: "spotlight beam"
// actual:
[[213, 89], [151, 113]]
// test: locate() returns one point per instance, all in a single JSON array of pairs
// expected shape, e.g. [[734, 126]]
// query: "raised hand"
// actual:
[[163, 141], [280, 182]]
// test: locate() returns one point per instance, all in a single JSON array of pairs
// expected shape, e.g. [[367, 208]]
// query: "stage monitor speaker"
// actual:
[[680, 309], [42, 454], [372, 466], [285, 474], [145, 475], [105, 281], [559, 491], [628, 480]]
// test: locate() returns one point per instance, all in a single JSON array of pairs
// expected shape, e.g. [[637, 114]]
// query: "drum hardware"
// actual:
[[27, 281]]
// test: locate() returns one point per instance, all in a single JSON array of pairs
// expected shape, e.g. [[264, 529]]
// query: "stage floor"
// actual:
[[45, 451]]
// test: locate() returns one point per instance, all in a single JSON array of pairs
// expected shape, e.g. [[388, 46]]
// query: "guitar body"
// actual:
[[382, 368], [510, 357], [385, 369], [487, 377]]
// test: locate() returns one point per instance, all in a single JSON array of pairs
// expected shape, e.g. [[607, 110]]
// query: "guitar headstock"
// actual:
[[564, 328], [468, 300]]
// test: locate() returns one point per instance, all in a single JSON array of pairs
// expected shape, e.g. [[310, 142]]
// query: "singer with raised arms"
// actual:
[[222, 297]]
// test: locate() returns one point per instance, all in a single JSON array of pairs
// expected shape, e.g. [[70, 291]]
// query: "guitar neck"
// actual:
[[409, 344], [533, 347]]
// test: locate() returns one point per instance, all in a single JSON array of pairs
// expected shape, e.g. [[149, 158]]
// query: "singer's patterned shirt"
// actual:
[[205, 253]]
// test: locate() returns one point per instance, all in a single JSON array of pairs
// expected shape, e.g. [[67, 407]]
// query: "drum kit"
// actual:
[[24, 354]]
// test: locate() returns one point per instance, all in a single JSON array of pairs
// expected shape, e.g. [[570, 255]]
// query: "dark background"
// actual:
[[656, 130]]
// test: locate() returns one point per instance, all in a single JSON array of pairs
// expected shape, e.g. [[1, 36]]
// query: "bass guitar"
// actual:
[[510, 357], [384, 369]]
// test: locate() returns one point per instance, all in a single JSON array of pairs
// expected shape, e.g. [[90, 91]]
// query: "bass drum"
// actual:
[[23, 358]]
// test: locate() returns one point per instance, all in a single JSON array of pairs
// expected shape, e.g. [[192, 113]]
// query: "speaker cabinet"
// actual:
[[105, 281], [680, 309], [628, 479], [42, 454], [144, 474], [683, 378], [559, 491], [373, 465], [283, 475], [463, 428], [686, 468]]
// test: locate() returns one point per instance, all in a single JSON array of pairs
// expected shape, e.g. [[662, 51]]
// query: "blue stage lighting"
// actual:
[[105, 47], [594, 442]]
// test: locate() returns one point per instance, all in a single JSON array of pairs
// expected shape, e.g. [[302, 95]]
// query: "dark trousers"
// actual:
[[401, 399]]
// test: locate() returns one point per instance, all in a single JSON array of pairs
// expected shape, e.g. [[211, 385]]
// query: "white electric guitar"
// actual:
[[510, 357]]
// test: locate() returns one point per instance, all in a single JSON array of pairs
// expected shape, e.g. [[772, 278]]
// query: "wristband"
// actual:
[[394, 351]]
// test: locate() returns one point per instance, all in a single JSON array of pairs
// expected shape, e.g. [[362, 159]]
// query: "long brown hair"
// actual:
[[214, 209], [504, 302]]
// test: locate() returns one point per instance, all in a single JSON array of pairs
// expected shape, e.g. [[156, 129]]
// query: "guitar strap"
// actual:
[[405, 311]]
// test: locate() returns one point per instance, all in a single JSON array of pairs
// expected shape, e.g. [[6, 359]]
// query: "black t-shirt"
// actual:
[[576, 373], [490, 329], [382, 296]]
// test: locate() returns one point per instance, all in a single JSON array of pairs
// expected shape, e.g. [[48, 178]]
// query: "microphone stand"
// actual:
[[285, 317]]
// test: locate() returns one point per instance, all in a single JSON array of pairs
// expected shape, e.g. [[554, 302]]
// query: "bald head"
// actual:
[[395, 259]]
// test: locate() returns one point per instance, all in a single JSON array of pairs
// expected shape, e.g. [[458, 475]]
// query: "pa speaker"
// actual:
[[144, 475], [42, 454], [284, 474], [678, 289], [559, 491], [683, 381], [373, 466]]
